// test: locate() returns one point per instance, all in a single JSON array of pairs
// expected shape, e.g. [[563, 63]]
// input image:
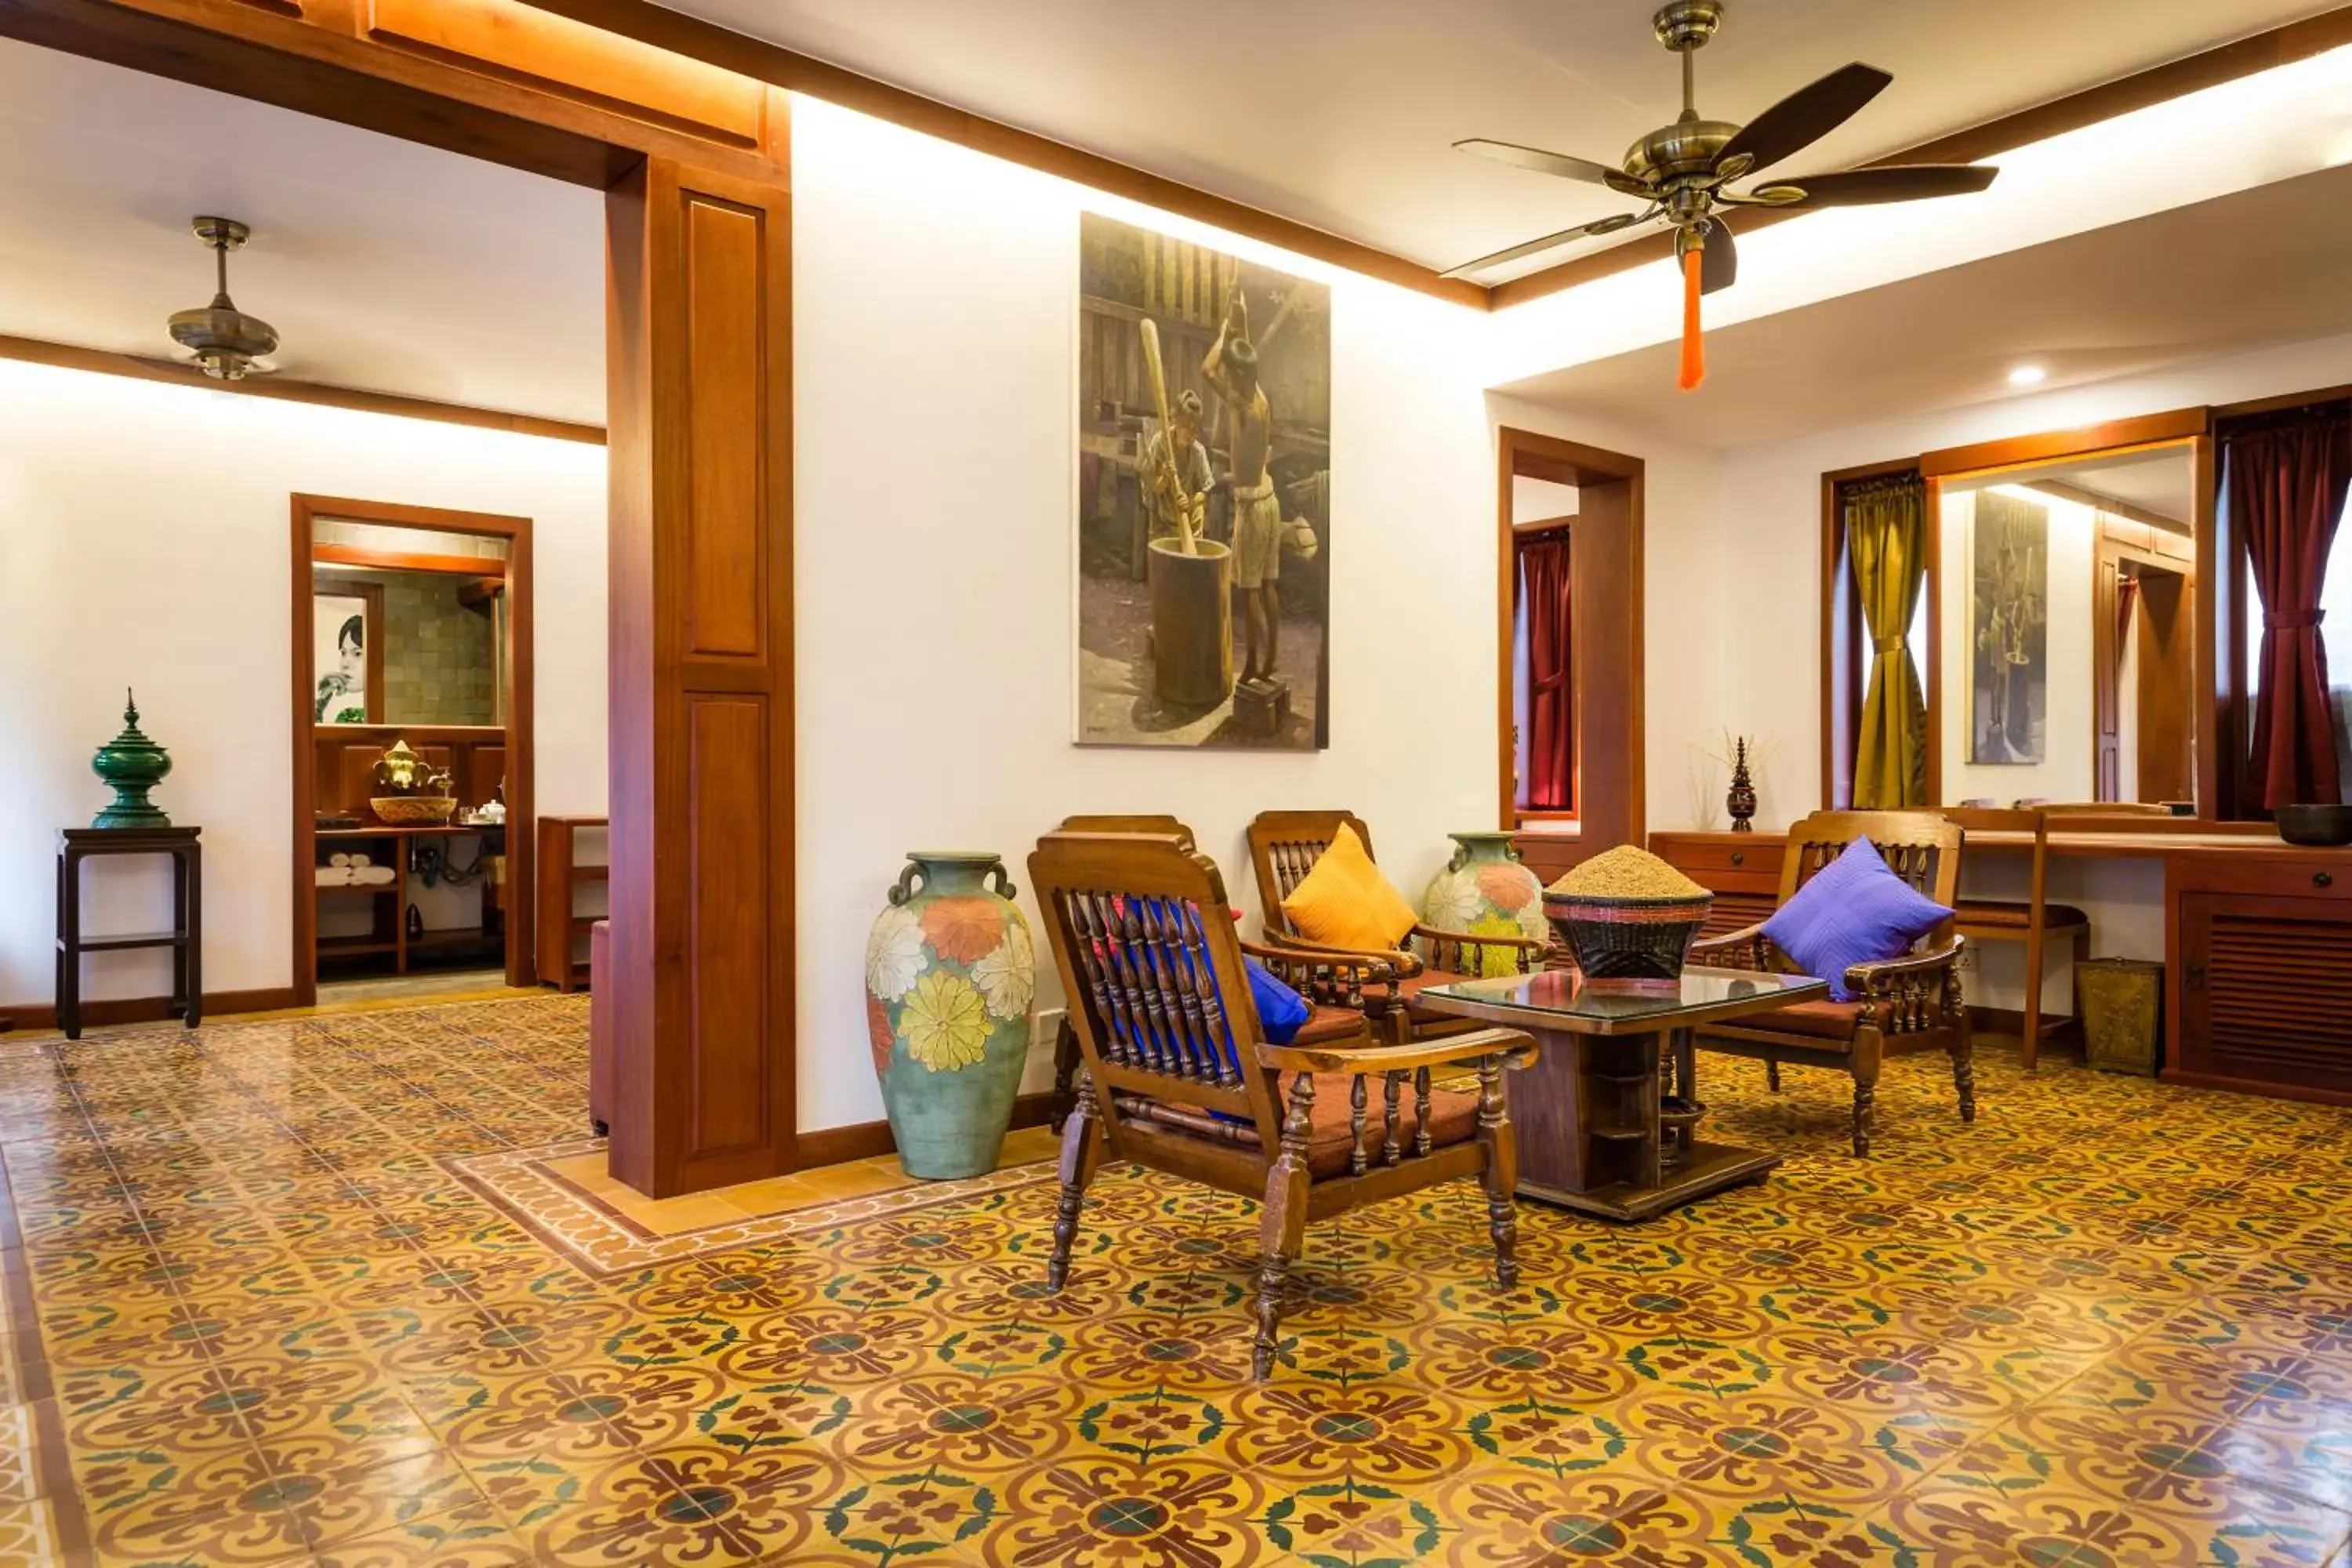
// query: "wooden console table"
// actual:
[[185, 938], [1608, 1111]]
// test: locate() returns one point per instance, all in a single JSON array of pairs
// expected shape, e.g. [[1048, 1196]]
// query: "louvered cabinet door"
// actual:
[[2266, 990]]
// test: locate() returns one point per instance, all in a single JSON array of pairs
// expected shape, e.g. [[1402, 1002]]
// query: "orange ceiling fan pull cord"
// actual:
[[1694, 367]]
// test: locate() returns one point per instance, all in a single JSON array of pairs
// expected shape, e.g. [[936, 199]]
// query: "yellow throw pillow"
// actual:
[[1344, 901]]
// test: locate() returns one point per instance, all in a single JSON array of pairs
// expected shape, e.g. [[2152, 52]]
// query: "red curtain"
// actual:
[[1552, 728], [2287, 478]]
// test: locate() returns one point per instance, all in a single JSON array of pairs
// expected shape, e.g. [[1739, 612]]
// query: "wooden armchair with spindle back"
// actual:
[[1284, 847], [1179, 1076], [1902, 1006], [1350, 992]]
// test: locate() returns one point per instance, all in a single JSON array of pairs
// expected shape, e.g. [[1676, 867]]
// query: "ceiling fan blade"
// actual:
[[1548, 242], [1805, 115], [1900, 183], [1541, 162], [1718, 263]]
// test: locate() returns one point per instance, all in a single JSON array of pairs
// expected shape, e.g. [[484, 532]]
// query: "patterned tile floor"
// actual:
[[255, 1320]]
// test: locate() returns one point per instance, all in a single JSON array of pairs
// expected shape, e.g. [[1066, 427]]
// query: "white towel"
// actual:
[[339, 858], [334, 875], [359, 859], [372, 876]]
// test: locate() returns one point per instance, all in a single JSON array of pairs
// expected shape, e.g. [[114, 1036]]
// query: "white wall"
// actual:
[[935, 352], [144, 541]]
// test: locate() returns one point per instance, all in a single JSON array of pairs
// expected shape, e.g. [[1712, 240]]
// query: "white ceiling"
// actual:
[[2220, 276], [383, 264], [1341, 113]]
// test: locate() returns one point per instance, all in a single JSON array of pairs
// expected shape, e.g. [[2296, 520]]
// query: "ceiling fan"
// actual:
[[1683, 170], [228, 343]]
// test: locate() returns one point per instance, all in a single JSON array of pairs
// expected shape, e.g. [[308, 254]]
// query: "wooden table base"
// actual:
[[1589, 1133]]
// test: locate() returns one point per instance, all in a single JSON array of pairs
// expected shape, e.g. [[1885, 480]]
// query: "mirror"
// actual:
[[408, 626], [2067, 626]]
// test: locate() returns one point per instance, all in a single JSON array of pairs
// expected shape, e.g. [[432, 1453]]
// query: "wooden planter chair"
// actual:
[[1180, 1078], [1285, 845], [1904, 1006], [1352, 993]]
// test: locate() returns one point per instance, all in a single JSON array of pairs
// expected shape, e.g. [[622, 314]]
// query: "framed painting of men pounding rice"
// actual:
[[1203, 516]]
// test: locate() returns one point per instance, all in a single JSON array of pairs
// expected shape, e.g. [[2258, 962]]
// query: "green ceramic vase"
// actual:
[[949, 970], [1484, 892], [133, 764]]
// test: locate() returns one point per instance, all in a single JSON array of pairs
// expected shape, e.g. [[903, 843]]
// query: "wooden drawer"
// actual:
[[2311, 874], [1743, 863]]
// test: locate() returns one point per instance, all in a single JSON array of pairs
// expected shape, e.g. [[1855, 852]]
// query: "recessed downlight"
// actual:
[[2027, 375]]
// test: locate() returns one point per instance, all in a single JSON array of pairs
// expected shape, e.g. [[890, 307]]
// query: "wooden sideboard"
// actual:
[[2258, 941]]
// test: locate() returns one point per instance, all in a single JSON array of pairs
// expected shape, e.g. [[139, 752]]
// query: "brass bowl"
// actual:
[[414, 810]]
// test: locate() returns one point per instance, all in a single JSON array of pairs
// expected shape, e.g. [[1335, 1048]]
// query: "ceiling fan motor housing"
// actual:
[[225, 340]]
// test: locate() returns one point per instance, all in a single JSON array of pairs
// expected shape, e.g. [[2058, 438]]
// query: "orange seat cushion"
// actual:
[[1330, 1143], [1992, 916], [1344, 901], [1828, 1020]]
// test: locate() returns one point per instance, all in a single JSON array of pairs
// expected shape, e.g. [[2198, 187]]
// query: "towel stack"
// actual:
[[353, 870]]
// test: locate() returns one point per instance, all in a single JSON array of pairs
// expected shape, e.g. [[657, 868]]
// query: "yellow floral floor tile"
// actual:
[[350, 1290]]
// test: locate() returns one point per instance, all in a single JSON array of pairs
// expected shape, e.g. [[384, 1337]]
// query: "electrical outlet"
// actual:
[[1967, 962]]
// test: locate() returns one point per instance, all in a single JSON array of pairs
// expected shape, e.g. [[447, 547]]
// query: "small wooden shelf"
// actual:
[[354, 946], [454, 936], [563, 958]]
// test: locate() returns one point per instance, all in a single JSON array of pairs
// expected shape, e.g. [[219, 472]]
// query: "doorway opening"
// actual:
[[412, 767], [1570, 658]]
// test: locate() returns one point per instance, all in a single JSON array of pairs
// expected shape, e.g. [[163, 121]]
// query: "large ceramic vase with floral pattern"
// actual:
[[950, 970], [1484, 892]]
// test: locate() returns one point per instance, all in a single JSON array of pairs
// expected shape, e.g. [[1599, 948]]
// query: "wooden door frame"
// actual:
[[1532, 455], [515, 680]]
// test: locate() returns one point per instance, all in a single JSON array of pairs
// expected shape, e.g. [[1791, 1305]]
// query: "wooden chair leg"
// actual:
[[1964, 1046], [1066, 1073], [1772, 1074], [1282, 1228], [1868, 1048], [1502, 1174], [1081, 1153]]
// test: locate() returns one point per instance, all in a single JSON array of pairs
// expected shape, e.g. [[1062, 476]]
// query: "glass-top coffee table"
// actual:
[[1607, 1115]]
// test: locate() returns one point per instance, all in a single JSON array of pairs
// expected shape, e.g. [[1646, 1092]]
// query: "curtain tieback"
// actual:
[[2293, 620], [1883, 646]]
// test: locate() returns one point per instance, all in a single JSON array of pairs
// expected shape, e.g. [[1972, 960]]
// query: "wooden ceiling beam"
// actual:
[[705, 41], [172, 373]]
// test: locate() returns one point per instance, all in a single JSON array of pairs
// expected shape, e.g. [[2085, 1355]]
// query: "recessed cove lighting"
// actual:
[[2027, 375]]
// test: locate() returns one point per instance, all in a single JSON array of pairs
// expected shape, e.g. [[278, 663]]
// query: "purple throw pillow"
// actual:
[[1853, 910]]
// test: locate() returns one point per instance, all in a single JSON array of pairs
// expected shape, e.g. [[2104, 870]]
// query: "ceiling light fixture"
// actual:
[[225, 340], [2027, 375]]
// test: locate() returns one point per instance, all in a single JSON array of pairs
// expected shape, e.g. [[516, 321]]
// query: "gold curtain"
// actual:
[[1886, 536]]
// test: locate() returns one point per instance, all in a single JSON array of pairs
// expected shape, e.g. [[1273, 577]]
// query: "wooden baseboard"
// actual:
[[97, 1013], [867, 1140]]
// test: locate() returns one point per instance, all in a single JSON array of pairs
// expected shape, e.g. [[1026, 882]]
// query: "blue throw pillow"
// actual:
[[1280, 1009], [1853, 910]]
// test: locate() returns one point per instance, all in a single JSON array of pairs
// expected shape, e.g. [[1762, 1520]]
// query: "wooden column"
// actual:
[[701, 677]]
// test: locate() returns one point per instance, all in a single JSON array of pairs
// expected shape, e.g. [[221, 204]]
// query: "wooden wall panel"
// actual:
[[723, 243], [701, 942], [727, 923]]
